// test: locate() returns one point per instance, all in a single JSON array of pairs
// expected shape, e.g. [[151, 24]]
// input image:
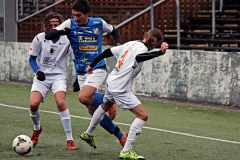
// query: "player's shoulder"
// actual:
[[64, 38], [95, 20], [40, 36]]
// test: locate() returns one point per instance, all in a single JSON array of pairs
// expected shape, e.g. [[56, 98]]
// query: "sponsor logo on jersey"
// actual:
[[75, 32], [87, 39], [96, 22], [95, 30], [60, 43], [88, 48], [84, 59], [48, 62], [87, 52], [88, 31]]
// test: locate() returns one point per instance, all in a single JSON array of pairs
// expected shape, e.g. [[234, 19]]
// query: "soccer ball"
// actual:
[[22, 144]]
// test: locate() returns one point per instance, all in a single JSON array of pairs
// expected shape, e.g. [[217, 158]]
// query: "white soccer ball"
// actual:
[[22, 144]]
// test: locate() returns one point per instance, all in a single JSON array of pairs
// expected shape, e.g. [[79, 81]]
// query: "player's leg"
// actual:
[[38, 94], [130, 101], [96, 119], [92, 99], [59, 91]]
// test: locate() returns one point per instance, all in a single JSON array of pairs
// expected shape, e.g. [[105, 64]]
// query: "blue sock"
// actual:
[[108, 125], [98, 99]]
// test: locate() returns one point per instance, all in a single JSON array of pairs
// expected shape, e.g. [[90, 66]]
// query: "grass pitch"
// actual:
[[172, 132]]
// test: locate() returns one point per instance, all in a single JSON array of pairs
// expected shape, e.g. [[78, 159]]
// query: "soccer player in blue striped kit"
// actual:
[[85, 35], [130, 57]]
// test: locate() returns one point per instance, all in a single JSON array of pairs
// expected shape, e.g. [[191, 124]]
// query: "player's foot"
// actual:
[[35, 136], [123, 138], [71, 145], [130, 155], [88, 139], [112, 112]]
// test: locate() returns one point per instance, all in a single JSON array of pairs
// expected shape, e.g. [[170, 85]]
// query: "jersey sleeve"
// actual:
[[35, 47], [65, 24], [70, 52], [116, 50], [107, 27]]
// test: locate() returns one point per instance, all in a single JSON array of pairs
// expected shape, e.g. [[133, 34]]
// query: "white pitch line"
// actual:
[[124, 124]]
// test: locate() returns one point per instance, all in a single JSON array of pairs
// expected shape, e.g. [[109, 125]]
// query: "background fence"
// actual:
[[189, 75]]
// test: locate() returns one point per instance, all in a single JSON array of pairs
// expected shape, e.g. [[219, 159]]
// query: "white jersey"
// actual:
[[122, 77], [51, 56]]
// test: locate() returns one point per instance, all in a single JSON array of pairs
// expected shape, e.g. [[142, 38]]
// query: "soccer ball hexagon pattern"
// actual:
[[22, 144]]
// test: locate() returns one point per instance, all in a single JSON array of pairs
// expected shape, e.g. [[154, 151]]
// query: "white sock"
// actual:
[[35, 116], [134, 132], [66, 122], [97, 117]]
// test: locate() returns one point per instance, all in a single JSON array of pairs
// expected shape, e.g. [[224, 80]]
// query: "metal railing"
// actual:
[[36, 4], [151, 7]]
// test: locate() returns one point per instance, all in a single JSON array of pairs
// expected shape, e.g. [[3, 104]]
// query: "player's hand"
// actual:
[[164, 47], [40, 76], [76, 86], [65, 31], [89, 70]]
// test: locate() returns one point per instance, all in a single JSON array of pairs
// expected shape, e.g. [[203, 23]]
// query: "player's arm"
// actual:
[[62, 29], [107, 53], [150, 55], [33, 63], [34, 50], [116, 35], [113, 31]]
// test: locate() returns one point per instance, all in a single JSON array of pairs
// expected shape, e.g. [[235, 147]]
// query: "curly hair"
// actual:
[[153, 38], [50, 16]]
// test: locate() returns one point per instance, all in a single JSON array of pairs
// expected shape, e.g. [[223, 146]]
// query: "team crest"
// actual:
[[95, 30], [52, 51]]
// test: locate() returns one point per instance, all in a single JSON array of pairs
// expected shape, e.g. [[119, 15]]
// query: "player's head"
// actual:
[[153, 38], [51, 21], [80, 11]]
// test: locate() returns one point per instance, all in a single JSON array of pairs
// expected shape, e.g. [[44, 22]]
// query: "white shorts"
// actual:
[[125, 101], [54, 82], [95, 79]]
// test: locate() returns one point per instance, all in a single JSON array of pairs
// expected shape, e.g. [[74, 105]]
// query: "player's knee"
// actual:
[[84, 99], [91, 110], [34, 106], [60, 103], [143, 116]]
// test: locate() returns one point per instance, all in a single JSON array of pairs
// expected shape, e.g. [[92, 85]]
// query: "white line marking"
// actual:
[[124, 124]]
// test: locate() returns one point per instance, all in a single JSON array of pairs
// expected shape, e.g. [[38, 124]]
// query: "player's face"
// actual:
[[53, 23], [80, 18]]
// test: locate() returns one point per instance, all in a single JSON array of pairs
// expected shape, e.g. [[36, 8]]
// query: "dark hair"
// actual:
[[82, 6], [153, 37], [50, 16]]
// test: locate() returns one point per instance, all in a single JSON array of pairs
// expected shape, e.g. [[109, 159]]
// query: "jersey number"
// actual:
[[120, 62]]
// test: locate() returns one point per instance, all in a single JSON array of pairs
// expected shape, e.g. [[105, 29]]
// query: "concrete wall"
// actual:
[[198, 76]]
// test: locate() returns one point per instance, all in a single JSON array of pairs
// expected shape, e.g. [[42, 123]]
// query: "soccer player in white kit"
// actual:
[[130, 57], [50, 73]]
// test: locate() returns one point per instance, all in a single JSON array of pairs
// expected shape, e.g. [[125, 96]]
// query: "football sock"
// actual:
[[109, 126], [96, 118], [98, 99], [99, 116], [35, 116], [66, 122], [134, 132]]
